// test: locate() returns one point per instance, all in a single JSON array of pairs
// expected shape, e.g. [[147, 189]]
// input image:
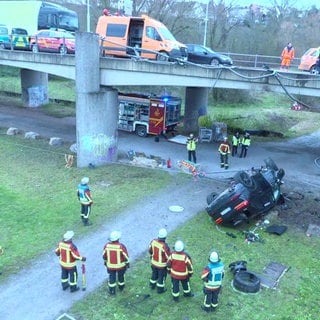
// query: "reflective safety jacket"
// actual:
[[235, 140], [288, 53], [180, 265], [212, 275], [115, 255], [245, 141], [224, 148], [68, 254], [159, 251], [84, 194], [191, 144]]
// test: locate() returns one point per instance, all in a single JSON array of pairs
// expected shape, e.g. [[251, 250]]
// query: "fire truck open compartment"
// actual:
[[147, 114]]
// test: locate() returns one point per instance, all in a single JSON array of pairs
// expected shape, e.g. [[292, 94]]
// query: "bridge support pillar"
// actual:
[[34, 88], [196, 104], [96, 107]]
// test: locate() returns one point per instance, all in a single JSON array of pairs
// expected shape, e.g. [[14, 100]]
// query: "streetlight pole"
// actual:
[[206, 24], [88, 16]]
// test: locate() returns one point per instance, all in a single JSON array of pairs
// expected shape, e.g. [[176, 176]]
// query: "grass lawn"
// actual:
[[295, 298], [39, 202]]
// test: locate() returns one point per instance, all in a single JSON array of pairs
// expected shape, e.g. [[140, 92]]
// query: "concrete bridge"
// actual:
[[96, 98]]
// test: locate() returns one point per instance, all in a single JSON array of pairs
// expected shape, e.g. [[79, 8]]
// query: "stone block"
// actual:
[[54, 141], [31, 135], [12, 131]]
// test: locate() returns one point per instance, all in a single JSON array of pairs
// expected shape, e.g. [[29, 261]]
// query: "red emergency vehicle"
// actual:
[[147, 114]]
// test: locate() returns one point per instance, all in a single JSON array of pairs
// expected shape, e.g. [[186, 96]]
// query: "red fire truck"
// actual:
[[147, 114]]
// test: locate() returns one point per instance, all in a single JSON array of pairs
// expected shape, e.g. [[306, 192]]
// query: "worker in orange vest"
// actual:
[[287, 56], [116, 260], [224, 150], [68, 255]]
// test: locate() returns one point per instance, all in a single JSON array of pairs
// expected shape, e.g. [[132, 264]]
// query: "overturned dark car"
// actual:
[[250, 194]]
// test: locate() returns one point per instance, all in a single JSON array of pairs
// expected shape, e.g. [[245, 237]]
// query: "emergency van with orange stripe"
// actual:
[[124, 36]]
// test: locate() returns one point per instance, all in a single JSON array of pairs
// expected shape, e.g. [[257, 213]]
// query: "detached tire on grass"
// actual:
[[245, 281]]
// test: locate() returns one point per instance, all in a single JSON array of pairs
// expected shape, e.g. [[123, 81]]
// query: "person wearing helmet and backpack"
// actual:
[[84, 196], [212, 276], [180, 269], [116, 260], [159, 254]]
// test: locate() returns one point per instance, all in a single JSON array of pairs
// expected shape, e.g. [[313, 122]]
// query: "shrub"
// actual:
[[205, 121]]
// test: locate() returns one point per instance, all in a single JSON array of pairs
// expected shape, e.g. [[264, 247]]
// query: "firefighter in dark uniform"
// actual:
[[68, 255], [224, 150], [191, 147], [245, 143], [116, 260], [159, 253], [180, 269], [84, 196], [235, 143], [212, 276]]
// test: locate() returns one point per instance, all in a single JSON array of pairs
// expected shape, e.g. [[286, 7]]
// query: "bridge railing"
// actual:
[[258, 61]]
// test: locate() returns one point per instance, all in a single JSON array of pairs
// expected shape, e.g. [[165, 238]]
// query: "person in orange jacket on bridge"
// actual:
[[287, 56]]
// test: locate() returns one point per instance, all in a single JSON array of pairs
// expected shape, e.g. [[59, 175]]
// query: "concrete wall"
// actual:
[[96, 107], [196, 104], [34, 88]]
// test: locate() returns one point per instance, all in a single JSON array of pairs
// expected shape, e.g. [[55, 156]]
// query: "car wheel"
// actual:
[[313, 70], [35, 48], [270, 164], [211, 197], [244, 178], [162, 56], [141, 131], [238, 266], [245, 281], [63, 50], [214, 62]]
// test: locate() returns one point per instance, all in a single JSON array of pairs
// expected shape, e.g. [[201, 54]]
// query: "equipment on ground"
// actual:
[[84, 277]]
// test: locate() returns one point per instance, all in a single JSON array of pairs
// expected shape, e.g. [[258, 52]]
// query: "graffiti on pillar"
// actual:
[[101, 146], [38, 95]]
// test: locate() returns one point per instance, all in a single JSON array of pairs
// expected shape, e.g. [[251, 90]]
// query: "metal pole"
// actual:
[[88, 16], [206, 25]]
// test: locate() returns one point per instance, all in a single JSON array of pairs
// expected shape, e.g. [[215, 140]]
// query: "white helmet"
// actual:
[[85, 180], [68, 235], [214, 257], [162, 233], [179, 246], [115, 235]]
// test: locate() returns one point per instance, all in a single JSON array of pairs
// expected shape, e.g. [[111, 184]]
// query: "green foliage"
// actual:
[[271, 112], [205, 121]]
